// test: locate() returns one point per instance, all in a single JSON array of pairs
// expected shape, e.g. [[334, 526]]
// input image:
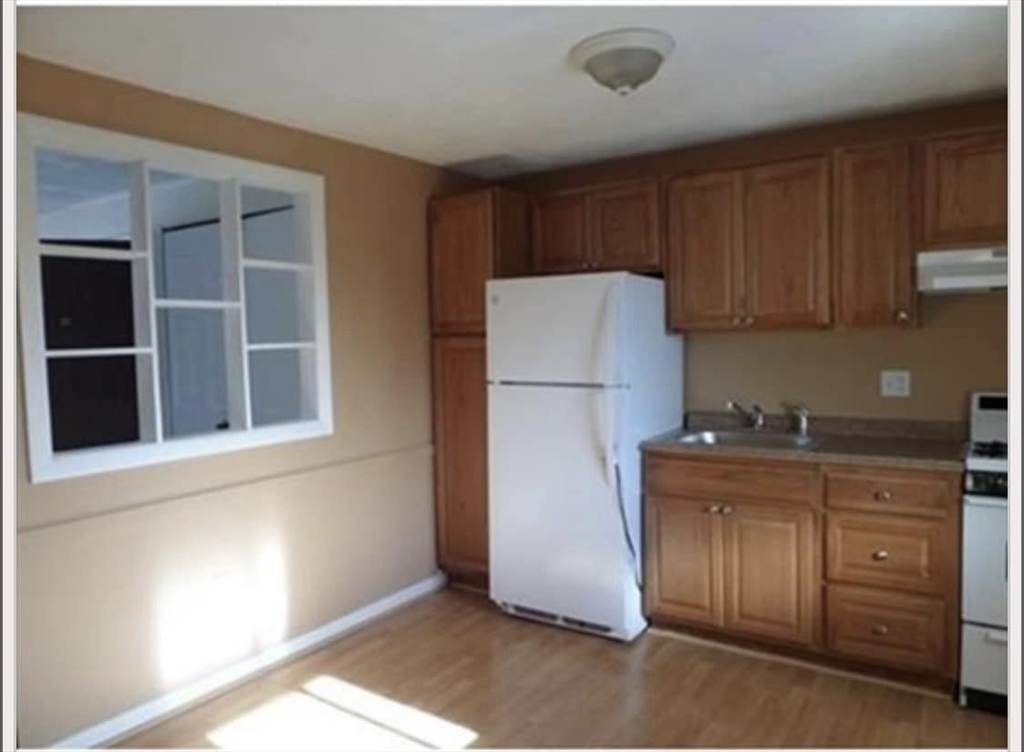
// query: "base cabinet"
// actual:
[[769, 557], [856, 564], [460, 459], [745, 567], [684, 579]]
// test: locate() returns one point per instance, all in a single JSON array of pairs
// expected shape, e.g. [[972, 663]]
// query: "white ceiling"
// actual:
[[490, 89]]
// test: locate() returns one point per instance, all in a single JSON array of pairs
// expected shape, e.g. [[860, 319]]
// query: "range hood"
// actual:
[[968, 270]]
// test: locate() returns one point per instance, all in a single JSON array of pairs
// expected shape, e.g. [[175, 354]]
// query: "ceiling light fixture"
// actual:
[[624, 59]]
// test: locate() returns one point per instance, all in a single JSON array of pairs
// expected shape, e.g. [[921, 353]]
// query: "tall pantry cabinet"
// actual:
[[474, 237]]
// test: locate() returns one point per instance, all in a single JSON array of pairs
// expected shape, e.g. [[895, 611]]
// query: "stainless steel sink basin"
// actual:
[[747, 438]]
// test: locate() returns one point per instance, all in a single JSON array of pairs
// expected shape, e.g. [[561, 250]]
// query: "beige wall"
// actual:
[[114, 569], [959, 346]]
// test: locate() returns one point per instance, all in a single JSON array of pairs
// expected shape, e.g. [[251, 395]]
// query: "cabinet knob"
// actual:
[[883, 494], [902, 316], [748, 321], [715, 509], [727, 509], [880, 630], [880, 555]]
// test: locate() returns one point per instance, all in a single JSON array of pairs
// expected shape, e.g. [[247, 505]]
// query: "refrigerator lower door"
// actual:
[[557, 546]]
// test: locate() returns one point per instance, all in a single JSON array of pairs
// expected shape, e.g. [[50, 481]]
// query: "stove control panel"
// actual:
[[979, 483]]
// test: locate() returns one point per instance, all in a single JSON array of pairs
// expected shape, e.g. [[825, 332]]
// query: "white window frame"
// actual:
[[36, 132]]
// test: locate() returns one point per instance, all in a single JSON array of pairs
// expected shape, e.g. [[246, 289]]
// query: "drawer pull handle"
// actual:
[[713, 509], [727, 509], [999, 638], [883, 495], [880, 630], [880, 555]]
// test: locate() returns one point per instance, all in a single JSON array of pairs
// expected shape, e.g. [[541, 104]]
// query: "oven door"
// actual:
[[986, 565]]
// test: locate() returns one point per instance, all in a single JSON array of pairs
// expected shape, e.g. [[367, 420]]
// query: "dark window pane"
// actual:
[[87, 303], [92, 401]]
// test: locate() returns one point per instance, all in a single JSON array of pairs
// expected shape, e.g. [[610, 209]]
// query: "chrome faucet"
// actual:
[[800, 418], [753, 418]]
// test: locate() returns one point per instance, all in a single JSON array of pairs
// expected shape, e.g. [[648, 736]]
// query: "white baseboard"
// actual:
[[147, 713]]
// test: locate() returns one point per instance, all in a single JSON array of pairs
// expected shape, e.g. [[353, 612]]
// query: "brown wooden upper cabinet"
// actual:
[[964, 189], [473, 237], [560, 233], [613, 227], [750, 248], [705, 251], [874, 260]]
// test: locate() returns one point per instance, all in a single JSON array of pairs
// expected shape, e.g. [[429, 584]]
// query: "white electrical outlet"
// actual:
[[895, 383]]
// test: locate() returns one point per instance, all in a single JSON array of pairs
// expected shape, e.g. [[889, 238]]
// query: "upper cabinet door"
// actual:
[[786, 243], [704, 270], [461, 255], [964, 191], [874, 263], [624, 226], [560, 233]]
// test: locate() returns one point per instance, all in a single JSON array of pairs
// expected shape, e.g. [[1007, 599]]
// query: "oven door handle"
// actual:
[[984, 501]]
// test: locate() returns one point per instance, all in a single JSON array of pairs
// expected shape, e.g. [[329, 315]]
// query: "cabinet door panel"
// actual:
[[786, 243], [624, 227], [560, 233], [769, 570], [875, 261], [461, 253], [460, 437], [964, 189], [683, 571], [705, 251]]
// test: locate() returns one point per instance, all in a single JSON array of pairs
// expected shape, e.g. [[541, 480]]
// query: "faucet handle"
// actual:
[[801, 412]]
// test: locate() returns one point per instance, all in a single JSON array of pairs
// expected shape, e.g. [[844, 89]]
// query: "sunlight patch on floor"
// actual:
[[410, 721], [332, 714]]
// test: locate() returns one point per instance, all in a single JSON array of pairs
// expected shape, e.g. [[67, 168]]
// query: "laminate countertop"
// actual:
[[882, 451]]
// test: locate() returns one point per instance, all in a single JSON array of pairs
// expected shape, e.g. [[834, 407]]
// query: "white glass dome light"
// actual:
[[624, 59]]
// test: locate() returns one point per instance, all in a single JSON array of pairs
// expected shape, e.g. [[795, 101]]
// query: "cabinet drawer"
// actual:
[[892, 629], [918, 493], [911, 553], [724, 480]]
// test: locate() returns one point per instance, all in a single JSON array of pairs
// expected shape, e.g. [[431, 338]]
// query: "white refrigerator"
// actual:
[[580, 370]]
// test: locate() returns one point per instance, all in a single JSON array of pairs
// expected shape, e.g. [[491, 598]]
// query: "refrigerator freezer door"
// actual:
[[554, 330], [556, 535]]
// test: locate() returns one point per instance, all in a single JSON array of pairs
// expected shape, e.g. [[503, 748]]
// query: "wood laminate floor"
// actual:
[[452, 671]]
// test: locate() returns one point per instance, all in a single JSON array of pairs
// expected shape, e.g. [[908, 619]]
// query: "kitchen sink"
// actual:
[[747, 438]]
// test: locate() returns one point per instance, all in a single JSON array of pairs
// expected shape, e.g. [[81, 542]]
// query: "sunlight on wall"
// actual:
[[221, 614], [332, 714]]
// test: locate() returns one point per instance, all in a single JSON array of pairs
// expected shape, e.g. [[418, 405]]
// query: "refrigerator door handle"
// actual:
[[610, 431], [605, 451], [607, 342]]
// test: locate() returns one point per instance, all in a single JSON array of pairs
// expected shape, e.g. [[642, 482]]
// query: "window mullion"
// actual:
[[143, 302], [235, 339]]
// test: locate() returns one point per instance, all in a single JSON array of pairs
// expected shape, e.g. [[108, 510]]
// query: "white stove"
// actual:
[[984, 596]]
